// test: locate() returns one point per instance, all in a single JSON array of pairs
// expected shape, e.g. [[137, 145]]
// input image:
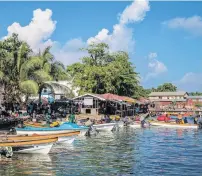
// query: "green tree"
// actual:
[[195, 93], [103, 72], [166, 87], [22, 72]]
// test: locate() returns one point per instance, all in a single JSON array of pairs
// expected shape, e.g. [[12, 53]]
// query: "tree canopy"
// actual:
[[22, 71], [195, 93], [105, 72], [166, 87]]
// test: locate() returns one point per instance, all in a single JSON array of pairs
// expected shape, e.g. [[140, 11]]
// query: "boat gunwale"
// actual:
[[39, 136], [28, 142]]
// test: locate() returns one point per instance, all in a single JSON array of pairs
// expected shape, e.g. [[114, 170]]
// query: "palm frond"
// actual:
[[47, 67], [30, 65], [46, 55], [29, 87], [41, 76], [1, 75], [22, 52]]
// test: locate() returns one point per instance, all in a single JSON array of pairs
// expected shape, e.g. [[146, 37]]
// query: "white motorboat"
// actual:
[[34, 149], [121, 124], [173, 125], [42, 146], [135, 125], [65, 140], [104, 127]]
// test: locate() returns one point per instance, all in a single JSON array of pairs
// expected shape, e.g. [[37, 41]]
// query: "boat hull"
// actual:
[[17, 143], [136, 125], [65, 140], [104, 127], [22, 132], [169, 125], [32, 137], [35, 149]]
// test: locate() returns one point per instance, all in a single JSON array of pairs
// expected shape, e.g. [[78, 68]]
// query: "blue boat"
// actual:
[[63, 128]]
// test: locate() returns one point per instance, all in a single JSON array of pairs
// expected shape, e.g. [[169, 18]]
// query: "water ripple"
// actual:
[[141, 152]]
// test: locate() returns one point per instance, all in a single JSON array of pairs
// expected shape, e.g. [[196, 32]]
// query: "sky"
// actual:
[[163, 39]]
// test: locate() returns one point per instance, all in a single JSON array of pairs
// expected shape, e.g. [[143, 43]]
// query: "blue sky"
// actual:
[[164, 39]]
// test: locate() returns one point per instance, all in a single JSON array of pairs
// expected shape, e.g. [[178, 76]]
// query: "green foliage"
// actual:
[[198, 105], [22, 71], [102, 72], [166, 87], [195, 93], [29, 87]]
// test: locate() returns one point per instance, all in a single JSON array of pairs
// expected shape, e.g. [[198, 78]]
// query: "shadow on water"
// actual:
[[152, 151]]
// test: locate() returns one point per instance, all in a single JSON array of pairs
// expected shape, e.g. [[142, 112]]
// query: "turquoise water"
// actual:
[[141, 152]]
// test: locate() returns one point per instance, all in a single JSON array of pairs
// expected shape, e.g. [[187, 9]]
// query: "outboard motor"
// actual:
[[142, 123], [6, 151], [92, 131], [200, 125], [12, 131], [115, 128]]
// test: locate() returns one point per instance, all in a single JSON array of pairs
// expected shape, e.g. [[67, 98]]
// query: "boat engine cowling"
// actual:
[[6, 151], [92, 131]]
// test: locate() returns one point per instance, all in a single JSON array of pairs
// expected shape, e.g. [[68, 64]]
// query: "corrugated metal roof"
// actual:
[[180, 93], [90, 94]]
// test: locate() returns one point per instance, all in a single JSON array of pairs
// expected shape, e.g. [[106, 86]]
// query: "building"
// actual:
[[111, 104], [194, 101], [169, 99], [58, 89]]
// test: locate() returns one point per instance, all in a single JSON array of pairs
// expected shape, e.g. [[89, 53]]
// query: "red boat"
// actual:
[[163, 118]]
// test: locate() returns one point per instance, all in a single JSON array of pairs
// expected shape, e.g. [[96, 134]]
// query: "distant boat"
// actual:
[[63, 128], [173, 125], [104, 126], [42, 146]]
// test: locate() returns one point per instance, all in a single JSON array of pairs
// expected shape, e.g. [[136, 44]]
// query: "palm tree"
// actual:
[[22, 72]]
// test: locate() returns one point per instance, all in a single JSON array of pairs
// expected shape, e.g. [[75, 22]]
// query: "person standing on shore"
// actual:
[[179, 119]]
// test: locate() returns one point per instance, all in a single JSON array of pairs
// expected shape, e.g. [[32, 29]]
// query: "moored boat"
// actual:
[[135, 125], [66, 140], [34, 149], [62, 137], [173, 125], [63, 128], [104, 126], [42, 146]]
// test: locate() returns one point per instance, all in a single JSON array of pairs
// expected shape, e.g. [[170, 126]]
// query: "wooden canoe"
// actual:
[[30, 142], [37, 137], [34, 124]]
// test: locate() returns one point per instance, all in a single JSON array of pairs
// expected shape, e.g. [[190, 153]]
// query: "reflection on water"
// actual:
[[154, 151]]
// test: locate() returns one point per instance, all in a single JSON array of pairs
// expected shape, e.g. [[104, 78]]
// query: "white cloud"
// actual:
[[70, 52], [155, 66], [152, 55], [134, 12], [191, 24], [121, 37], [190, 82], [38, 31]]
